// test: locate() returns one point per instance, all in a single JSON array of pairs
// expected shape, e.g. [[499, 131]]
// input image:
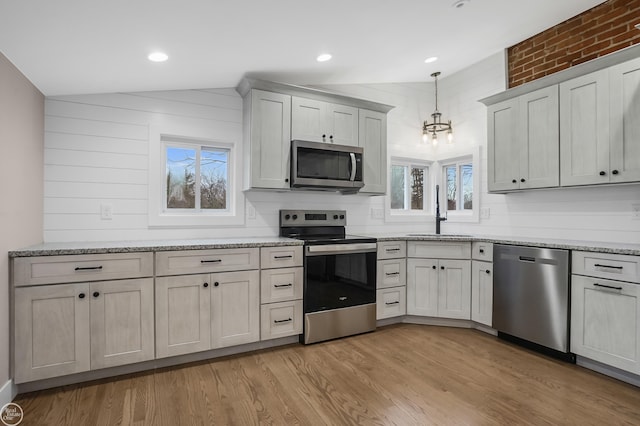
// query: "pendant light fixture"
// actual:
[[431, 130]]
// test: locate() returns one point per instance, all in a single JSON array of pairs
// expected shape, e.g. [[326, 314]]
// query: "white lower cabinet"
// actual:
[[439, 288], [482, 292], [604, 321], [70, 328], [235, 308], [391, 302]]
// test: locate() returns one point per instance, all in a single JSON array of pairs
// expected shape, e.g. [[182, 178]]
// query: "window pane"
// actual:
[[417, 188], [397, 187], [466, 172], [452, 187], [181, 175], [213, 178]]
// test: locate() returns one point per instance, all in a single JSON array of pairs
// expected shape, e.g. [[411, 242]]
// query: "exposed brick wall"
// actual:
[[603, 29]]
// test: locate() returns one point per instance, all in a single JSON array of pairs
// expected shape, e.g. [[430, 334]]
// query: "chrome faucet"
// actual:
[[438, 217]]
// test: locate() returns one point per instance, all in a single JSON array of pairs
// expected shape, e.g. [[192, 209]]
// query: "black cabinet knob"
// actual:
[[442, 267], [286, 180], [602, 173], [434, 266], [481, 251], [324, 136], [96, 294], [216, 284], [81, 295], [331, 137], [614, 172], [487, 271], [514, 181], [205, 285], [522, 180]]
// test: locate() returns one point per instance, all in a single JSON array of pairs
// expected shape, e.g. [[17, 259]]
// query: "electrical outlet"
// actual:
[[635, 211], [251, 212], [485, 212], [106, 211]]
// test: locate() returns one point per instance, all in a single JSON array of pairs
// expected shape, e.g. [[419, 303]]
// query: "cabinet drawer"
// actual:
[[81, 268], [391, 273], [392, 249], [391, 302], [200, 261], [278, 285], [482, 251], [280, 257], [605, 265], [439, 249], [281, 319]]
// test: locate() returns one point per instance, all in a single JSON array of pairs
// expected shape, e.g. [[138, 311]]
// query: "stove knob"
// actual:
[[341, 216], [335, 217], [287, 216], [295, 216]]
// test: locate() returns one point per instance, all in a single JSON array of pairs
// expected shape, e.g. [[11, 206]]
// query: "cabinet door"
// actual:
[[372, 135], [51, 331], [539, 128], [235, 306], [604, 321], [183, 314], [422, 287], [482, 292], [121, 322], [270, 137], [584, 130], [342, 124], [503, 150], [308, 120], [454, 289], [625, 122]]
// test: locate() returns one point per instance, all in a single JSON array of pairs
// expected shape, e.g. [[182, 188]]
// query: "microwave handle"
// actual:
[[353, 166]]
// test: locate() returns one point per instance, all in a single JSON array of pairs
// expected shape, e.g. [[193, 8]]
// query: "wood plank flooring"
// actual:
[[399, 375]]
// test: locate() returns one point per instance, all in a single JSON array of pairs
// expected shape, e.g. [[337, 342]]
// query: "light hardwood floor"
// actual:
[[398, 375]]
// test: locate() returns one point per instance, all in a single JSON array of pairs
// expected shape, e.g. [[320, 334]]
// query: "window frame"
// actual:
[[160, 217], [465, 215], [409, 215]]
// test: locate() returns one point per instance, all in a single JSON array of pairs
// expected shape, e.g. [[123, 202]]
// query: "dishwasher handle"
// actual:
[[527, 259]]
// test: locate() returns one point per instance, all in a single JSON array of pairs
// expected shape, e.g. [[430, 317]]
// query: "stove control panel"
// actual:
[[313, 218]]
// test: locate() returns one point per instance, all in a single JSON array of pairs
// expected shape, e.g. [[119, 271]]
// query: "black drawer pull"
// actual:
[[607, 286], [597, 265], [390, 274], [392, 303], [281, 321], [88, 268], [392, 249], [283, 285], [211, 261], [283, 257], [481, 251]]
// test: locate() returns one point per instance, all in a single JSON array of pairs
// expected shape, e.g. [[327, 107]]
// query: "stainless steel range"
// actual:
[[340, 274]]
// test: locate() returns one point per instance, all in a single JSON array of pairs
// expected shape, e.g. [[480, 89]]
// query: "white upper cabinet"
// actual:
[[372, 137], [523, 142], [267, 133], [318, 121]]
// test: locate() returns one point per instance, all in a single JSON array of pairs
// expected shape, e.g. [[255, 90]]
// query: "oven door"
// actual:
[[339, 276]]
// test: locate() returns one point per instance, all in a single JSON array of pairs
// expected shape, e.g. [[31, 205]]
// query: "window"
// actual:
[[409, 183], [458, 184], [197, 177]]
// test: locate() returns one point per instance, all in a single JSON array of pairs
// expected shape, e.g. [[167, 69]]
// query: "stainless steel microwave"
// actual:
[[326, 166]]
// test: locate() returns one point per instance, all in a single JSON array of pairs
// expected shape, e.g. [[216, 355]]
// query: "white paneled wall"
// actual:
[[96, 152]]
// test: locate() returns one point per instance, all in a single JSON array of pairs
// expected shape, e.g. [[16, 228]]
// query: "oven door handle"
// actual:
[[353, 166], [340, 248]]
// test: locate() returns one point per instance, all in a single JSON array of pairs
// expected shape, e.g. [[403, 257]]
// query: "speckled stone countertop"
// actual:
[[593, 246], [57, 249]]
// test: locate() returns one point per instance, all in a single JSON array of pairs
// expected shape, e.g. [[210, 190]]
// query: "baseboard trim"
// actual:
[[7, 393], [608, 370], [485, 329]]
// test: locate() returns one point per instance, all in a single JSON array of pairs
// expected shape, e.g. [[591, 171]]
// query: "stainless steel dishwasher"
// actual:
[[531, 296]]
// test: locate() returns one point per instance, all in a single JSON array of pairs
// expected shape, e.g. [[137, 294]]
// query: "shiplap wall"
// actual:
[[96, 151]]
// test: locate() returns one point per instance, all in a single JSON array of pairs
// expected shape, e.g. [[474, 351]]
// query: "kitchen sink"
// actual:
[[427, 234]]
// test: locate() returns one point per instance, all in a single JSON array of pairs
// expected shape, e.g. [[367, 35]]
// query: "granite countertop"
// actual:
[[57, 249], [593, 246]]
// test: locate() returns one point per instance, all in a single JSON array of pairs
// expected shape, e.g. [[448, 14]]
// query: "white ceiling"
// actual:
[[96, 46]]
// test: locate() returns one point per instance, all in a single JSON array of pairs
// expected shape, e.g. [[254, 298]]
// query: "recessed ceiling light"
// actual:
[[158, 57], [430, 59], [458, 4], [323, 58]]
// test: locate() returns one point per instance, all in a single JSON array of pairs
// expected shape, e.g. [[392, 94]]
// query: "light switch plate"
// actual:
[[485, 212], [635, 211], [106, 211]]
